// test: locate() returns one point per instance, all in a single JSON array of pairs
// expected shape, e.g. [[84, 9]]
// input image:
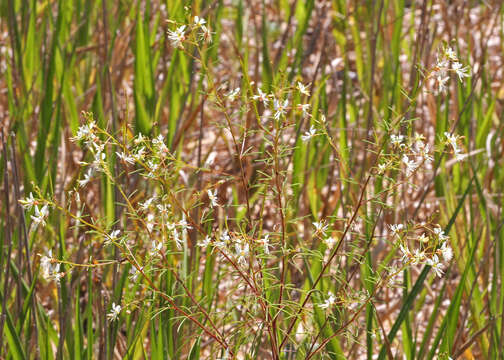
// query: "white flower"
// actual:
[[263, 97], [139, 139], [199, 21], [329, 302], [411, 165], [280, 108], [303, 89], [461, 71], [85, 132], [28, 202], [440, 233], [453, 141], [382, 168], [423, 239], [87, 178], [205, 242], [396, 140], [125, 157], [396, 229], [442, 80], [50, 269], [436, 265], [139, 154], [309, 134], [184, 224], [450, 54], [406, 252], [224, 240], [418, 257], [178, 240], [233, 94], [156, 247], [40, 215], [150, 222], [446, 252], [212, 196], [206, 34], [113, 236], [114, 313], [265, 242], [134, 273], [304, 108], [177, 37], [146, 204], [242, 253], [320, 227]]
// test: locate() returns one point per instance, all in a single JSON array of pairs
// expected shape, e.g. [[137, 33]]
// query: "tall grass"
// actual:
[[231, 169]]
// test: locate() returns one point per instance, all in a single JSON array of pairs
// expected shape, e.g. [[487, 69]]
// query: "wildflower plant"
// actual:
[[261, 233]]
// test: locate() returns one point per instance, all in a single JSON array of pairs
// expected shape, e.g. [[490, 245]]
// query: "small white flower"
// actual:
[[113, 236], [442, 81], [280, 108], [205, 242], [423, 239], [139, 155], [418, 257], [50, 269], [304, 108], [303, 89], [461, 71], [199, 21], [396, 140], [114, 313], [382, 168], [406, 253], [146, 204], [28, 202], [411, 165], [178, 240], [329, 302], [440, 234], [450, 54], [309, 134], [156, 248], [87, 178], [40, 215], [320, 227], [139, 139], [396, 229], [263, 97], [206, 34], [446, 252], [212, 196], [224, 240], [265, 242], [150, 222], [125, 157], [233, 94], [242, 253], [436, 265], [177, 36]]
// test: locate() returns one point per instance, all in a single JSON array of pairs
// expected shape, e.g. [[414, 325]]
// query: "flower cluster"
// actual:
[[180, 35], [448, 62], [433, 246], [50, 268]]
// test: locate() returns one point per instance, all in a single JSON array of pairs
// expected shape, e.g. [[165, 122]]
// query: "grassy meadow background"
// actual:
[[364, 63]]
